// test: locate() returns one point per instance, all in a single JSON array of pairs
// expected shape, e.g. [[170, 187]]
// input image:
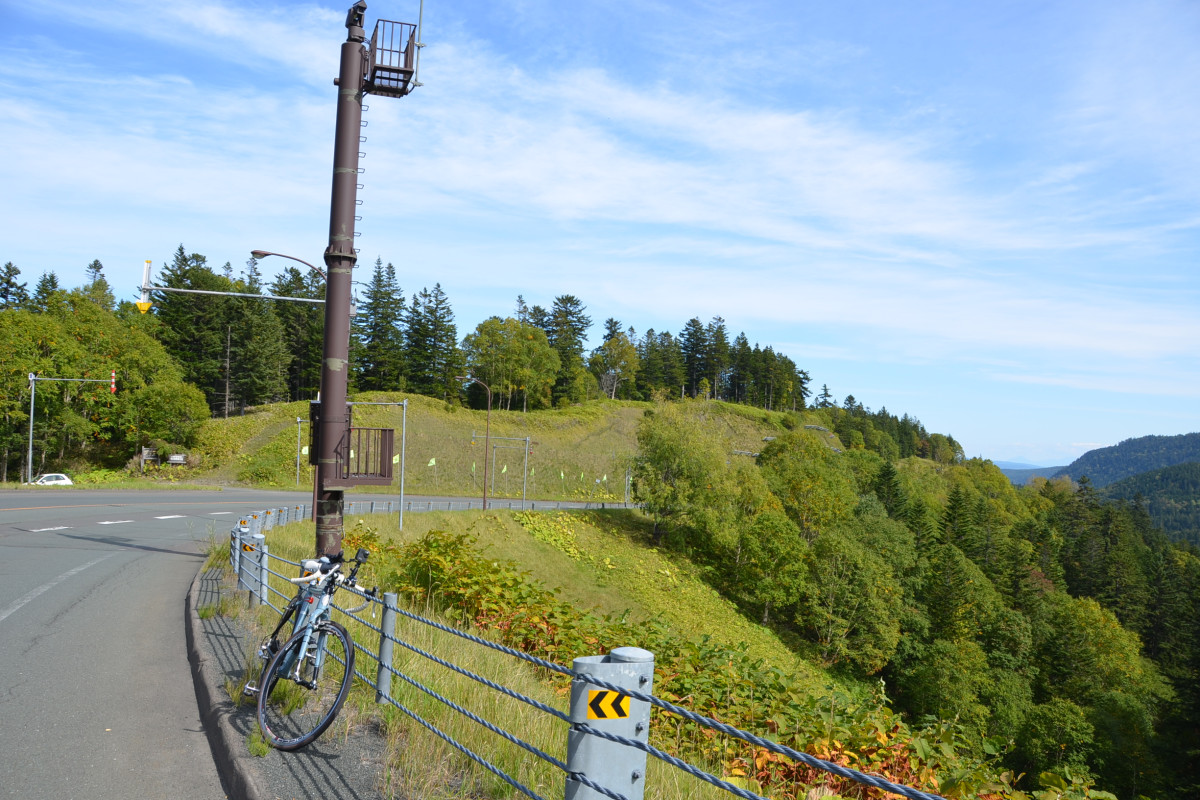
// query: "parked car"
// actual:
[[53, 479]]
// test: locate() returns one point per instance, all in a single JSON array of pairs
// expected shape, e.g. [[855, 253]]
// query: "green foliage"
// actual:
[[815, 487], [497, 598], [555, 530], [1170, 496]]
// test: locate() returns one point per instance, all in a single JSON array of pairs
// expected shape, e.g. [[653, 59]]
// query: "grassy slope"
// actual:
[[420, 765], [615, 569], [577, 453]]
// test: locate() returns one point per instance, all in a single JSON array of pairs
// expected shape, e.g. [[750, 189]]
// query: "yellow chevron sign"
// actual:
[[604, 704], [248, 547]]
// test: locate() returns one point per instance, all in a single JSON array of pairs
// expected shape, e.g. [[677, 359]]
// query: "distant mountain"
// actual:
[[1171, 496], [1017, 465], [1023, 475], [1133, 456]]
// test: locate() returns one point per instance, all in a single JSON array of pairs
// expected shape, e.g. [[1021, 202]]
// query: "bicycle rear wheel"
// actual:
[[299, 699]]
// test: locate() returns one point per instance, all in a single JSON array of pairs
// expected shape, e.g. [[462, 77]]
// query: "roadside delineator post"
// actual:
[[616, 767]]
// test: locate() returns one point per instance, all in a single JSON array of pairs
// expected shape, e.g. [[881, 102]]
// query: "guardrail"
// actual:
[[607, 726]]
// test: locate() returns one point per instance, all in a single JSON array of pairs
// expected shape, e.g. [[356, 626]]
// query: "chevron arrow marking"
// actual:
[[605, 704]]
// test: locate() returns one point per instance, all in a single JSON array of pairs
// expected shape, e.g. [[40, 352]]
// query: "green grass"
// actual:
[[577, 453]]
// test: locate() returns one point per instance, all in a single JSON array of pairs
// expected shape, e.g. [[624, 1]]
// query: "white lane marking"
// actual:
[[45, 587], [171, 516], [114, 521], [59, 528], [214, 513]]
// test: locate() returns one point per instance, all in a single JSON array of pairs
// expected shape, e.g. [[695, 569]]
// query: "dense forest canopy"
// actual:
[[1170, 496], [1040, 616], [1105, 465]]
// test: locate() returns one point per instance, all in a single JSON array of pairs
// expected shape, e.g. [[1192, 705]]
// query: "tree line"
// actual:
[[241, 352], [1055, 627]]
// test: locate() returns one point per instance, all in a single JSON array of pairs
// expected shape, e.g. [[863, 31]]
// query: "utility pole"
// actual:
[[388, 68]]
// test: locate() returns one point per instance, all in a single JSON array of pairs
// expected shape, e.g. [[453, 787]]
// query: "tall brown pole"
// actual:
[[339, 262]]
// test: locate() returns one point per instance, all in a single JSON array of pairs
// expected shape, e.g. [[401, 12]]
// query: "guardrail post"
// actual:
[[264, 587], [235, 548], [387, 624], [617, 767], [251, 555], [240, 541]]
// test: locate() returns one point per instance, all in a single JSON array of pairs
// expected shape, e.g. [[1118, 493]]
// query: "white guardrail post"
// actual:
[[237, 542], [617, 767], [251, 547], [263, 574], [387, 624]]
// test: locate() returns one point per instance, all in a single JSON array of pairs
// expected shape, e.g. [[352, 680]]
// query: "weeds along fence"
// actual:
[[606, 728]]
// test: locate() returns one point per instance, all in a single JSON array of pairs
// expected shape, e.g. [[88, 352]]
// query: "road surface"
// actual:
[[96, 694]]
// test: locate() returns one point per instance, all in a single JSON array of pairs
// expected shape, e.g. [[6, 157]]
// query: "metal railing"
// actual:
[[607, 727]]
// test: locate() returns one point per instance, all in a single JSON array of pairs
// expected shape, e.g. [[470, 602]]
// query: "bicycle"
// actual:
[[304, 681]]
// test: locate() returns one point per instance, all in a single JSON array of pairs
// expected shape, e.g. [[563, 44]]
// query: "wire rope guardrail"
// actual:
[[609, 718]]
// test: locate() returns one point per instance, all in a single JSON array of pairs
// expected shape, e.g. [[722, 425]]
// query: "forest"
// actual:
[[1106, 465], [1056, 629]]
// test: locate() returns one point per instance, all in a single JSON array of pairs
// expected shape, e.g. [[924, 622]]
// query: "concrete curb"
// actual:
[[228, 747]]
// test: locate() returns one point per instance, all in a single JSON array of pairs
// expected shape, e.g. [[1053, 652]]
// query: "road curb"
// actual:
[[228, 747]]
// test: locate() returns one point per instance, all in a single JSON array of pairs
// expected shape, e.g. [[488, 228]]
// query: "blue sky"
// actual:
[[983, 215]]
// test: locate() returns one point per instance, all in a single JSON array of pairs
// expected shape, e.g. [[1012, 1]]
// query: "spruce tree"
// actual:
[[47, 285], [97, 289], [303, 329], [568, 326], [12, 293], [693, 344], [380, 328]]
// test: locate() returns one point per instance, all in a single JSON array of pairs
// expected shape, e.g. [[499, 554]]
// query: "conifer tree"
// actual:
[[12, 293], [380, 328], [431, 342], [693, 346], [97, 289], [47, 285], [303, 330], [568, 326]]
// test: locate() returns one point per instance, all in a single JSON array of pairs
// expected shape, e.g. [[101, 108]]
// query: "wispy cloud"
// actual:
[[1054, 252]]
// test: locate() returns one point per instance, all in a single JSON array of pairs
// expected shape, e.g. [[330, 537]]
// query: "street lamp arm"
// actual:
[[264, 253], [487, 431]]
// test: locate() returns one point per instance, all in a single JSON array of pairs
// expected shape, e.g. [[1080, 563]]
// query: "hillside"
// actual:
[[1110, 464], [581, 452], [1171, 496]]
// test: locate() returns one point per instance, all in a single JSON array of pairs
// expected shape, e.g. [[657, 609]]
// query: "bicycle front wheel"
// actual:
[[299, 697]]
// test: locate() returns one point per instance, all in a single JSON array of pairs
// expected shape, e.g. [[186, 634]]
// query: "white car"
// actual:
[[53, 479]]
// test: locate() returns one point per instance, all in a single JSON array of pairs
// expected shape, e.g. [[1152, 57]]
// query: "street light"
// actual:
[[487, 430], [261, 254]]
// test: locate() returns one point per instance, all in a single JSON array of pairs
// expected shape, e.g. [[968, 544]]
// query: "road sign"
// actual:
[[606, 704]]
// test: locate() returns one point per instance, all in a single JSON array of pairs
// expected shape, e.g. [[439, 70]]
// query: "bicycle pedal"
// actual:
[[249, 690]]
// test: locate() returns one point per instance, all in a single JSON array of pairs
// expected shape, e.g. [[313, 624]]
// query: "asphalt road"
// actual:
[[96, 695]]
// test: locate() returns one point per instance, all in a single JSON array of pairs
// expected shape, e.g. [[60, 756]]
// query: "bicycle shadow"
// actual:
[[345, 766]]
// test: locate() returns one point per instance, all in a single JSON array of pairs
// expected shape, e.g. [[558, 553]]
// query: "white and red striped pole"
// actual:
[[112, 387]]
